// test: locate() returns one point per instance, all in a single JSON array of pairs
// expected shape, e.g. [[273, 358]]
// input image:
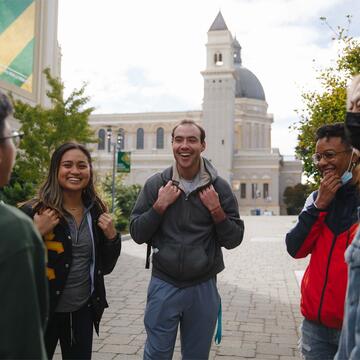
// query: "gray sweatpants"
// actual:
[[195, 308]]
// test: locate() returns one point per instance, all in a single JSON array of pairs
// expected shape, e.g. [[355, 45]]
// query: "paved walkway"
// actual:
[[259, 290]]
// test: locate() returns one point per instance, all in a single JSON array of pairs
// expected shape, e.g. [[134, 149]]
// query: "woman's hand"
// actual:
[[46, 221], [105, 223]]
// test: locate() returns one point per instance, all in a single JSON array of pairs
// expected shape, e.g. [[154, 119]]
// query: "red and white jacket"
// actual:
[[325, 235]]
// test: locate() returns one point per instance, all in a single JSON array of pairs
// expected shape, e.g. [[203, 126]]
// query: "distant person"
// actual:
[[325, 228], [23, 299], [186, 213], [349, 346], [82, 246]]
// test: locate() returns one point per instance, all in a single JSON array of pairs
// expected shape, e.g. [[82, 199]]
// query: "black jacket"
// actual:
[[59, 249], [186, 241]]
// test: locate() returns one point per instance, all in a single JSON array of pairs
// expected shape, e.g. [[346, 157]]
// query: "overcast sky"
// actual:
[[143, 55]]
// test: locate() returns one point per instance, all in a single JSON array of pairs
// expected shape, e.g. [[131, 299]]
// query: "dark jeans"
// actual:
[[318, 342], [75, 332]]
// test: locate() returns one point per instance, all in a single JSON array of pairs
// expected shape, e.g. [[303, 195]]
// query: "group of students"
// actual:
[[185, 215]]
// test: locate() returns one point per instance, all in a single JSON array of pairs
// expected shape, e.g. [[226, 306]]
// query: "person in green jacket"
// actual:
[[23, 283]]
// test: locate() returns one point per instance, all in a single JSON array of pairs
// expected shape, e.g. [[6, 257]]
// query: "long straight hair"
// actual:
[[50, 194]]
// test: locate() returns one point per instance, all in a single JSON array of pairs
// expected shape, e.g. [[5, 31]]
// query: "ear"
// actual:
[[203, 146], [355, 156]]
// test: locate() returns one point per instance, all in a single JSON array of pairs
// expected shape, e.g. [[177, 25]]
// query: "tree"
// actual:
[[125, 198], [328, 105], [295, 197], [44, 130]]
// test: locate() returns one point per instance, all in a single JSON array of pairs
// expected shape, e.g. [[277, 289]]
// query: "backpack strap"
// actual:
[[148, 253], [148, 247]]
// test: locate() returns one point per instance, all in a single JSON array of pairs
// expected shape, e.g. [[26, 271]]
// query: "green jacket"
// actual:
[[23, 283]]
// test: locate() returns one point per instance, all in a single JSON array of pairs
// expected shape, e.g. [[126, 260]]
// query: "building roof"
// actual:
[[248, 85], [219, 23]]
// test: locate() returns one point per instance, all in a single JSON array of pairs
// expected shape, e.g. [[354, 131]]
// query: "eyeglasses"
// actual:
[[16, 136], [327, 155]]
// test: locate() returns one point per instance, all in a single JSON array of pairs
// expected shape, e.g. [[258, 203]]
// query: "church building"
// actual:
[[238, 132]]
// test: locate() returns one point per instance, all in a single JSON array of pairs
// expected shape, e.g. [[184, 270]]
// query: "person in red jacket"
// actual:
[[325, 228]]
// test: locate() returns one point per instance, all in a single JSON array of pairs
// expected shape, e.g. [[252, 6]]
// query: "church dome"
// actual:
[[248, 85]]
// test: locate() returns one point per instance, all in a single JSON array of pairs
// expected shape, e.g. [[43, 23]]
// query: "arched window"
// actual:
[[160, 138], [121, 139], [140, 138], [101, 139], [218, 60]]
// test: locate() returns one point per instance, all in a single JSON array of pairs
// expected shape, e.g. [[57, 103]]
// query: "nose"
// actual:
[[75, 170], [185, 143]]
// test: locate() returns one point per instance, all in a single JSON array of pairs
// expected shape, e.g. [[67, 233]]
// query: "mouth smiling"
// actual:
[[185, 155], [328, 170], [74, 180]]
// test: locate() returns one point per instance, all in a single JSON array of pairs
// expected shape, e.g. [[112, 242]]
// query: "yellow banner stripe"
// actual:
[[55, 246], [17, 36], [50, 273], [27, 85]]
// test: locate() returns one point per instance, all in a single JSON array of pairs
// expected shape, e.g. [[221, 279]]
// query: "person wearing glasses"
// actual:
[[325, 228], [23, 300], [349, 345]]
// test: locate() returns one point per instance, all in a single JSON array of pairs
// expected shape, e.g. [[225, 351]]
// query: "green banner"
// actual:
[[17, 42], [123, 161]]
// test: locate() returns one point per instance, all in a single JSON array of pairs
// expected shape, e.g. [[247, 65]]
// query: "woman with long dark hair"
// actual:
[[82, 246]]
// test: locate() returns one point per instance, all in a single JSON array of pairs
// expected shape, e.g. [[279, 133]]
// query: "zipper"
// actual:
[[181, 269], [326, 279]]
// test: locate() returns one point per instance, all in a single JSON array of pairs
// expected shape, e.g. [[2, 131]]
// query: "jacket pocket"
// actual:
[[167, 259], [195, 262]]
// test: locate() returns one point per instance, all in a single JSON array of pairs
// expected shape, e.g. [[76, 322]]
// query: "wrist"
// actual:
[[319, 206], [159, 207], [215, 209], [113, 238]]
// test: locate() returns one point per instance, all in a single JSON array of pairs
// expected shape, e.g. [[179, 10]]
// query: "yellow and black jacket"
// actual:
[[59, 252]]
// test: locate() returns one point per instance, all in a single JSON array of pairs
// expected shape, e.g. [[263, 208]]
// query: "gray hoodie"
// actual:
[[186, 240]]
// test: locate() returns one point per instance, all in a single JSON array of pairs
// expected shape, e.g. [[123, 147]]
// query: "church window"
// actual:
[[243, 190], [121, 139], [160, 138], [266, 190], [109, 133], [101, 139], [255, 193], [218, 59], [140, 139]]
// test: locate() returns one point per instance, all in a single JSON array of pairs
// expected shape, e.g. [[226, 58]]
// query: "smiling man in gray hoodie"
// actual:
[[186, 213]]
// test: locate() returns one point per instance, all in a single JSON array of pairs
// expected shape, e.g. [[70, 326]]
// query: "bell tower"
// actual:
[[219, 97]]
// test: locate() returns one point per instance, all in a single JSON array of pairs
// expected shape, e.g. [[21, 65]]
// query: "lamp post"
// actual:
[[115, 146]]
